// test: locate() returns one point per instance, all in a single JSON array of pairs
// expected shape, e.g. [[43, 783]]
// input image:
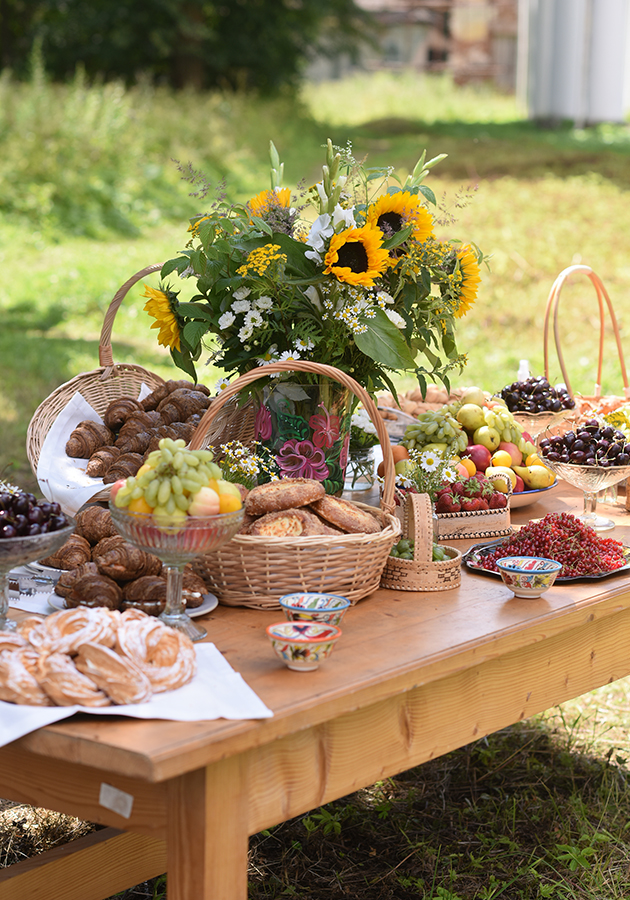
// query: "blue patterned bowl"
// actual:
[[312, 607], [528, 576], [303, 645]]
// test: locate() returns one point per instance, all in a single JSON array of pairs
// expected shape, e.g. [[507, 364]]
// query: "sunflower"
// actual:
[[357, 256], [161, 305], [265, 201], [469, 268], [393, 212]]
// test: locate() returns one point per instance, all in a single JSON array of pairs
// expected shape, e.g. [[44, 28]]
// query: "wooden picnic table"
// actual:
[[414, 675]]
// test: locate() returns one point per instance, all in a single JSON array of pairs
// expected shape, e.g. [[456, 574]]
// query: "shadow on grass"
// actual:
[[524, 813]]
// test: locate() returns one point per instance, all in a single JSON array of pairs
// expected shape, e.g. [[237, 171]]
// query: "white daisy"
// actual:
[[395, 318], [304, 344], [253, 318], [289, 356], [428, 461], [242, 292], [226, 320], [384, 297], [221, 385]]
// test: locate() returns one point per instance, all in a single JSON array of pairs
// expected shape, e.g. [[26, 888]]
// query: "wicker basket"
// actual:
[[256, 571], [421, 573], [100, 386]]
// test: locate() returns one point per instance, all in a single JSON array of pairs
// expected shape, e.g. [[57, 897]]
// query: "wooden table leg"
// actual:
[[207, 834]]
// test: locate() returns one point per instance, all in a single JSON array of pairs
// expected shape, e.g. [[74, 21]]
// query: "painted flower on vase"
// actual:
[[263, 424], [302, 459], [326, 429]]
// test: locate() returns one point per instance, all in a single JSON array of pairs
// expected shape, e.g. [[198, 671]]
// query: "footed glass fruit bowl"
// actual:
[[176, 545], [17, 551], [535, 423], [590, 480]]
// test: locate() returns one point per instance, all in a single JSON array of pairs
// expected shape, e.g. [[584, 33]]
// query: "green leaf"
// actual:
[[195, 311], [174, 265], [193, 332], [384, 343], [427, 193], [184, 362]]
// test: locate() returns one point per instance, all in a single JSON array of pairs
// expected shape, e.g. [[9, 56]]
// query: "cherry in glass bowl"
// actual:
[[590, 480], [176, 545], [537, 423], [23, 549]]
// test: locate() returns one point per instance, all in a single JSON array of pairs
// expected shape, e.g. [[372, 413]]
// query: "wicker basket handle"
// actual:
[[387, 501], [552, 306], [105, 356], [418, 525]]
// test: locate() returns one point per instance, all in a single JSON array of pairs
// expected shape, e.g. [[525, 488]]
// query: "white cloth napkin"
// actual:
[[60, 477], [216, 692], [33, 603]]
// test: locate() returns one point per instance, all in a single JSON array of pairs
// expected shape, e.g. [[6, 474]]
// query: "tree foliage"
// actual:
[[251, 44]]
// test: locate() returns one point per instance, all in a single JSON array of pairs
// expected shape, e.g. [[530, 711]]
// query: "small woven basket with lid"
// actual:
[[421, 573], [255, 571]]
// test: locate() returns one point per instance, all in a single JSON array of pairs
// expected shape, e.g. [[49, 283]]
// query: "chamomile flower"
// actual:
[[304, 344], [221, 385], [429, 461], [289, 356]]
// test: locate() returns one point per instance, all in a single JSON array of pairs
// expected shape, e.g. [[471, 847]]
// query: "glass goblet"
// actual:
[[176, 545], [590, 480], [535, 423], [18, 551]]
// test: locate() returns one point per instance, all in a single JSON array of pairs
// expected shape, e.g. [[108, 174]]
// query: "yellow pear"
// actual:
[[502, 477], [535, 477]]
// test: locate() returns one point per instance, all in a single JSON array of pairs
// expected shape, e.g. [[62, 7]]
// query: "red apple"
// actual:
[[479, 454], [512, 449], [116, 486], [519, 486], [205, 503]]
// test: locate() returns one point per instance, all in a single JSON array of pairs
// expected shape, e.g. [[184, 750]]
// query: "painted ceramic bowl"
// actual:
[[528, 576], [327, 608], [303, 645]]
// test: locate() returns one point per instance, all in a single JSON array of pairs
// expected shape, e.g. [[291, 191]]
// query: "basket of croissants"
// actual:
[[130, 427], [295, 537]]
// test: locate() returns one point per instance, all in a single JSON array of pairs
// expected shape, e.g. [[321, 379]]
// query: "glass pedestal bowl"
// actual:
[[535, 423], [590, 480], [18, 551], [177, 545]]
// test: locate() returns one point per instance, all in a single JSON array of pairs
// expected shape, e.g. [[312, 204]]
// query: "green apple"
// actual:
[[404, 466], [435, 448], [488, 437], [474, 395], [470, 417]]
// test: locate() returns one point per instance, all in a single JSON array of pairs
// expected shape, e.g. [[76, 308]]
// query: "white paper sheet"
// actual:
[[62, 478], [216, 692]]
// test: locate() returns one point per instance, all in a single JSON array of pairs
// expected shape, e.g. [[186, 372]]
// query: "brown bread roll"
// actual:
[[345, 515], [288, 493]]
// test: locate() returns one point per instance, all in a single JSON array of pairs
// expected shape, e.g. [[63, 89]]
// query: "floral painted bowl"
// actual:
[[303, 645], [528, 576], [327, 608]]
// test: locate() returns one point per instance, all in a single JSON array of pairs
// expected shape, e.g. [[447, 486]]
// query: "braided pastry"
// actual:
[[18, 683], [165, 655], [118, 676], [100, 461], [119, 410], [11, 640], [66, 685], [66, 630], [87, 437]]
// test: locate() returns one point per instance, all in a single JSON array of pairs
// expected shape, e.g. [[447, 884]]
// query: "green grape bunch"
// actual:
[[436, 426]]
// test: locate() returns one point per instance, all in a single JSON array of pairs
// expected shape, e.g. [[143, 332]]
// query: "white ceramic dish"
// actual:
[[210, 602], [526, 498]]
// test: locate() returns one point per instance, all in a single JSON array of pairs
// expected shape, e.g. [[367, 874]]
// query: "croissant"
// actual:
[[95, 523], [136, 442], [125, 562], [127, 464], [94, 590], [106, 544], [119, 410], [87, 437], [101, 460], [140, 421], [182, 404], [66, 580], [156, 396], [73, 553], [147, 587]]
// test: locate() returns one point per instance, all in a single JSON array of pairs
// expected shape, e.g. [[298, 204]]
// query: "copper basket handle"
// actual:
[[602, 295], [389, 474], [105, 356]]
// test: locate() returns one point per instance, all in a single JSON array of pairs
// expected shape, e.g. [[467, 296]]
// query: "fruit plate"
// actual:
[[210, 602], [396, 422], [526, 498], [473, 559]]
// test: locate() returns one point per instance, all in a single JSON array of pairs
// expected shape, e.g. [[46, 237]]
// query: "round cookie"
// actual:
[[346, 515], [288, 493]]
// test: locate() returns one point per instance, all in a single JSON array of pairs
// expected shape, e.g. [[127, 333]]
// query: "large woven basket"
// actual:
[[255, 571], [421, 573], [100, 386]]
